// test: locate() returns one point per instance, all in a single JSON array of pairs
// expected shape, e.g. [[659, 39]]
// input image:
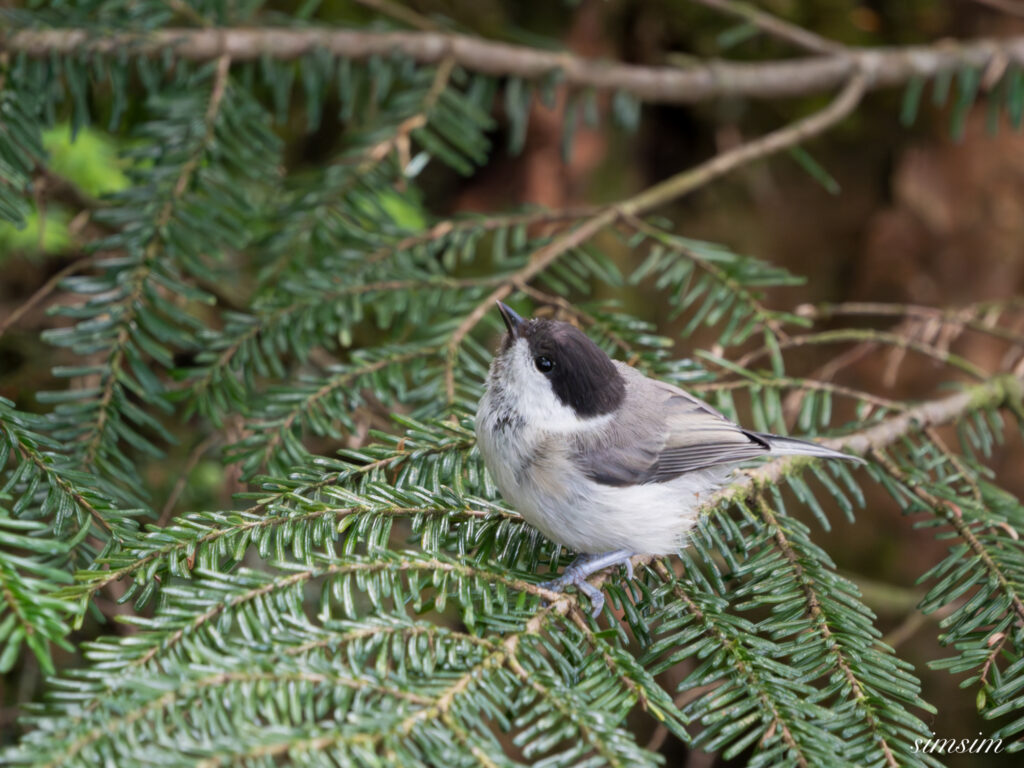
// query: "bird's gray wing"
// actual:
[[666, 433], [698, 437]]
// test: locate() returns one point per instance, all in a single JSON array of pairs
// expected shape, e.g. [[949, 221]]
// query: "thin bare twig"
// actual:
[[975, 317], [863, 335], [658, 195], [401, 13], [1006, 6], [774, 26], [912, 623], [800, 387], [45, 290], [183, 477]]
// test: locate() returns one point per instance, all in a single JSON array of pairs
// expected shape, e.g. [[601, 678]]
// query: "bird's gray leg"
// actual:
[[586, 565]]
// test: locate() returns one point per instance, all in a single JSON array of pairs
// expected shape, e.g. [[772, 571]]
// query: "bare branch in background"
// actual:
[[671, 189], [774, 26], [1005, 6], [886, 67]]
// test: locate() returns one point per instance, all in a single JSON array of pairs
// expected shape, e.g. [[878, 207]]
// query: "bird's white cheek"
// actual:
[[535, 400]]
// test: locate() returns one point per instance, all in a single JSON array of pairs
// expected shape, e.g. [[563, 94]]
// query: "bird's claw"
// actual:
[[576, 579], [585, 566]]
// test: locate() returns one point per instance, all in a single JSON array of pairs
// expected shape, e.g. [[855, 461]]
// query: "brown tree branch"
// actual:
[[671, 189], [887, 67]]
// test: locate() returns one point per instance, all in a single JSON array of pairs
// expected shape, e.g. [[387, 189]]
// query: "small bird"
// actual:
[[598, 457]]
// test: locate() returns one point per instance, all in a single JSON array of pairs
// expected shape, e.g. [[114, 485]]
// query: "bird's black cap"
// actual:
[[583, 376]]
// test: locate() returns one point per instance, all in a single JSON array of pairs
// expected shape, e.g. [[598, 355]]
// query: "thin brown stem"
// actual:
[[184, 474], [45, 290], [774, 26], [846, 335], [801, 385], [970, 316], [401, 13], [654, 197]]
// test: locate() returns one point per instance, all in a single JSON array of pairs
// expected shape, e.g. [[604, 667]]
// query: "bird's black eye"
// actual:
[[544, 364]]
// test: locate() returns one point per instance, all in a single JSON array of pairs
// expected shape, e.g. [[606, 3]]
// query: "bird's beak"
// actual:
[[512, 321]]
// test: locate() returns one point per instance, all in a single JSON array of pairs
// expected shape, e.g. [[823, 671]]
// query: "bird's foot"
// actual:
[[585, 566]]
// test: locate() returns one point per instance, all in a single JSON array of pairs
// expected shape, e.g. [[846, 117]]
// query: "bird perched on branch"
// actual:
[[598, 457]]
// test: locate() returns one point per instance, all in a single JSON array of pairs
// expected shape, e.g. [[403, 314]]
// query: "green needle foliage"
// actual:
[[370, 600]]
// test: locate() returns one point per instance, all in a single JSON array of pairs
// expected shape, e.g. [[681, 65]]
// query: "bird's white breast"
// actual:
[[527, 444]]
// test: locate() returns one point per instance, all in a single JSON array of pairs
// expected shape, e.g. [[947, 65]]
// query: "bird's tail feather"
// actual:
[[790, 446]]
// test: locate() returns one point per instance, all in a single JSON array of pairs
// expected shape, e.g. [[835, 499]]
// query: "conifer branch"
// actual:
[[365, 160], [757, 379], [448, 227], [996, 392], [952, 513], [335, 569], [141, 273], [29, 453], [765, 316], [749, 674], [257, 517], [817, 613], [333, 384], [889, 67], [980, 317]]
